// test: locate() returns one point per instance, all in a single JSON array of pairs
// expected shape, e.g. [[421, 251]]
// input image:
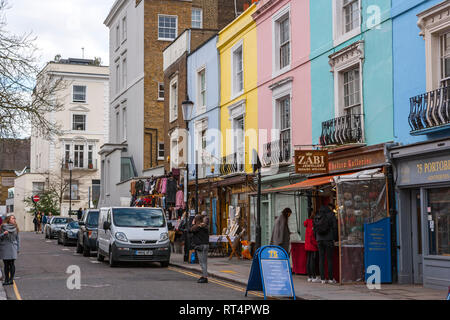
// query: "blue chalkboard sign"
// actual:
[[377, 249], [271, 273]]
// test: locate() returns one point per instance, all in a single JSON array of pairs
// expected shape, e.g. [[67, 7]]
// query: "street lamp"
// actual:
[[70, 185]]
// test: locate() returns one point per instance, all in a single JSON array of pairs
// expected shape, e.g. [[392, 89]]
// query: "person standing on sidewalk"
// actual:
[[281, 236], [325, 230], [311, 249], [9, 247], [200, 239]]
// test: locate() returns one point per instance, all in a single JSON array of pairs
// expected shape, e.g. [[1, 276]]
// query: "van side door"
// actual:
[[101, 233], [108, 234]]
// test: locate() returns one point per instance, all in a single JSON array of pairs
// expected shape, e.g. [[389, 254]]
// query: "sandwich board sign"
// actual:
[[271, 273]]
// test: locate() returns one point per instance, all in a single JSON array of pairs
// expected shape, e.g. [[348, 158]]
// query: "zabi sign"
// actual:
[[271, 273], [311, 161]]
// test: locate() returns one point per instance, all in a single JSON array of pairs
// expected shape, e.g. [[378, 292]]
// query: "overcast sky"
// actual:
[[63, 26]]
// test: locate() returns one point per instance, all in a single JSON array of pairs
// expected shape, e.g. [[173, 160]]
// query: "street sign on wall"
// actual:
[[311, 161]]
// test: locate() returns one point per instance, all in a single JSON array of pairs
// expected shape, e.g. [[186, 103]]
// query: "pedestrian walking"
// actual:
[[9, 247], [39, 222], [200, 240], [311, 249], [35, 221], [79, 214], [325, 231], [281, 236], [44, 222]]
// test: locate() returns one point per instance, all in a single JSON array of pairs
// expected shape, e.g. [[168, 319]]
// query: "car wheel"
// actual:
[[86, 251], [112, 262], [79, 247], [164, 264], [99, 256], [59, 239], [64, 241]]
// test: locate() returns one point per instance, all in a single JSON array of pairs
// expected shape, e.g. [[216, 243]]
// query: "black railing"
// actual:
[[278, 152], [429, 110], [233, 163], [342, 130]]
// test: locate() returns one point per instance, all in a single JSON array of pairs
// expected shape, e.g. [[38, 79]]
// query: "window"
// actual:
[[282, 40], [117, 127], [439, 221], [238, 71], [445, 59], [239, 142], [161, 151], [351, 14], [284, 114], [197, 18], [73, 186], [352, 92], [79, 94], [201, 89], [118, 77], [117, 36], [124, 72], [167, 27], [67, 154], [124, 28], [160, 91], [173, 112], [346, 20], [78, 154], [124, 124], [79, 122], [91, 157], [127, 170], [174, 151]]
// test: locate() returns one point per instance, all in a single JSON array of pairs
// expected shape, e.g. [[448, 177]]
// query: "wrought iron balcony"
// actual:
[[233, 163], [278, 152], [430, 111], [342, 130]]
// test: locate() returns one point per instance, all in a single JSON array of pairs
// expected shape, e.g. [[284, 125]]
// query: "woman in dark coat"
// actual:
[[9, 247], [281, 236]]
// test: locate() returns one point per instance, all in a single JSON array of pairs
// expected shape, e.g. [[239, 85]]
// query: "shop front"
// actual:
[[422, 173], [357, 187]]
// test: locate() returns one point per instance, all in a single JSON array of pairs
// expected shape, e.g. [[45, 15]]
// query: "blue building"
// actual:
[[421, 155]]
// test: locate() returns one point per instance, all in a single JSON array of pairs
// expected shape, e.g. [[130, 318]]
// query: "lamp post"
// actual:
[[187, 107], [70, 185]]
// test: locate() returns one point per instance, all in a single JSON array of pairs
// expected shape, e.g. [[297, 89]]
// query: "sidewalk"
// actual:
[[2, 290], [239, 270]]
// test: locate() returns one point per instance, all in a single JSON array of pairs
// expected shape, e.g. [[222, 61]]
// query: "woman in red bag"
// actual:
[[311, 249]]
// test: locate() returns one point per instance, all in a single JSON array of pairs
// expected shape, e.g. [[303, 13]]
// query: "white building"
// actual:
[[85, 125]]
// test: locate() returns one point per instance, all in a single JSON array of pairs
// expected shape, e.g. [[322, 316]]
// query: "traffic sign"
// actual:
[[36, 198]]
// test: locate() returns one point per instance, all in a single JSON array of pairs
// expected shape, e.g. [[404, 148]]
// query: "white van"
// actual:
[[133, 234]]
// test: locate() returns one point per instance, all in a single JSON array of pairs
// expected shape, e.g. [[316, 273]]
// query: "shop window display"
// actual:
[[439, 221], [359, 202]]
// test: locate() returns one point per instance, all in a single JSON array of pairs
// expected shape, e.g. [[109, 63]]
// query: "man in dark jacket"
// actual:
[[325, 231], [200, 239]]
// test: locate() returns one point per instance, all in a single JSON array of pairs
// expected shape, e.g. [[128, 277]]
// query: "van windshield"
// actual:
[[138, 218], [92, 219]]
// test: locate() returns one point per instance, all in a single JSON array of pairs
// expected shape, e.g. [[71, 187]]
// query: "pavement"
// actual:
[[2, 290], [238, 271]]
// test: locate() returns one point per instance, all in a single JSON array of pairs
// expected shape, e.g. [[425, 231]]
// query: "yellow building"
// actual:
[[237, 46]]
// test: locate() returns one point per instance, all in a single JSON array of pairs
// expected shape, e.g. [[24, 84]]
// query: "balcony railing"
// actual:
[[278, 152], [233, 163], [342, 130], [430, 111], [90, 165]]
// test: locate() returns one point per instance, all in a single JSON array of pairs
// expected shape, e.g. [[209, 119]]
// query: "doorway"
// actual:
[[416, 236]]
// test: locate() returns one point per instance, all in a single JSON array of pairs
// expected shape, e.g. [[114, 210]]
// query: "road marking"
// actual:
[[16, 291], [95, 261], [65, 249], [219, 282]]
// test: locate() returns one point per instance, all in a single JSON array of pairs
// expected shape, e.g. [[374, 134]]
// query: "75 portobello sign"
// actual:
[[311, 161]]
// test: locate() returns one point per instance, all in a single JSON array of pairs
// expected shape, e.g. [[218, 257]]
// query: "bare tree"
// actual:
[[23, 104]]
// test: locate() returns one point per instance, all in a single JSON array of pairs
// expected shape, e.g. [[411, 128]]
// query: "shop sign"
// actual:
[[311, 161], [271, 273], [423, 171], [357, 162]]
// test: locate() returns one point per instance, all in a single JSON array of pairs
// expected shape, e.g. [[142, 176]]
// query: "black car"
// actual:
[[87, 235], [69, 233]]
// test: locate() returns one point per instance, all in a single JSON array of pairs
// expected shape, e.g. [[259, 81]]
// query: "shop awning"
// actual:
[[306, 184]]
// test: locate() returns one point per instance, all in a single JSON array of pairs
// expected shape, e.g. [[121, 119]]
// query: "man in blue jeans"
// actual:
[[325, 229], [200, 240]]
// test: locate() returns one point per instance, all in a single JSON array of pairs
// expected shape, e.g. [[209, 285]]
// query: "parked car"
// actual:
[[68, 233], [87, 235], [133, 234], [56, 223]]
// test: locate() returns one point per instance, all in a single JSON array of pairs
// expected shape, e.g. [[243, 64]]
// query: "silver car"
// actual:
[[55, 225]]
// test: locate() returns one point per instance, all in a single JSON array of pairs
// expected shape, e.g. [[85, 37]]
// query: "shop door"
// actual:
[[416, 236]]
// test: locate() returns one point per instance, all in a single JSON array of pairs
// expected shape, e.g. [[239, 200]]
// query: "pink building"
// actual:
[[284, 80]]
